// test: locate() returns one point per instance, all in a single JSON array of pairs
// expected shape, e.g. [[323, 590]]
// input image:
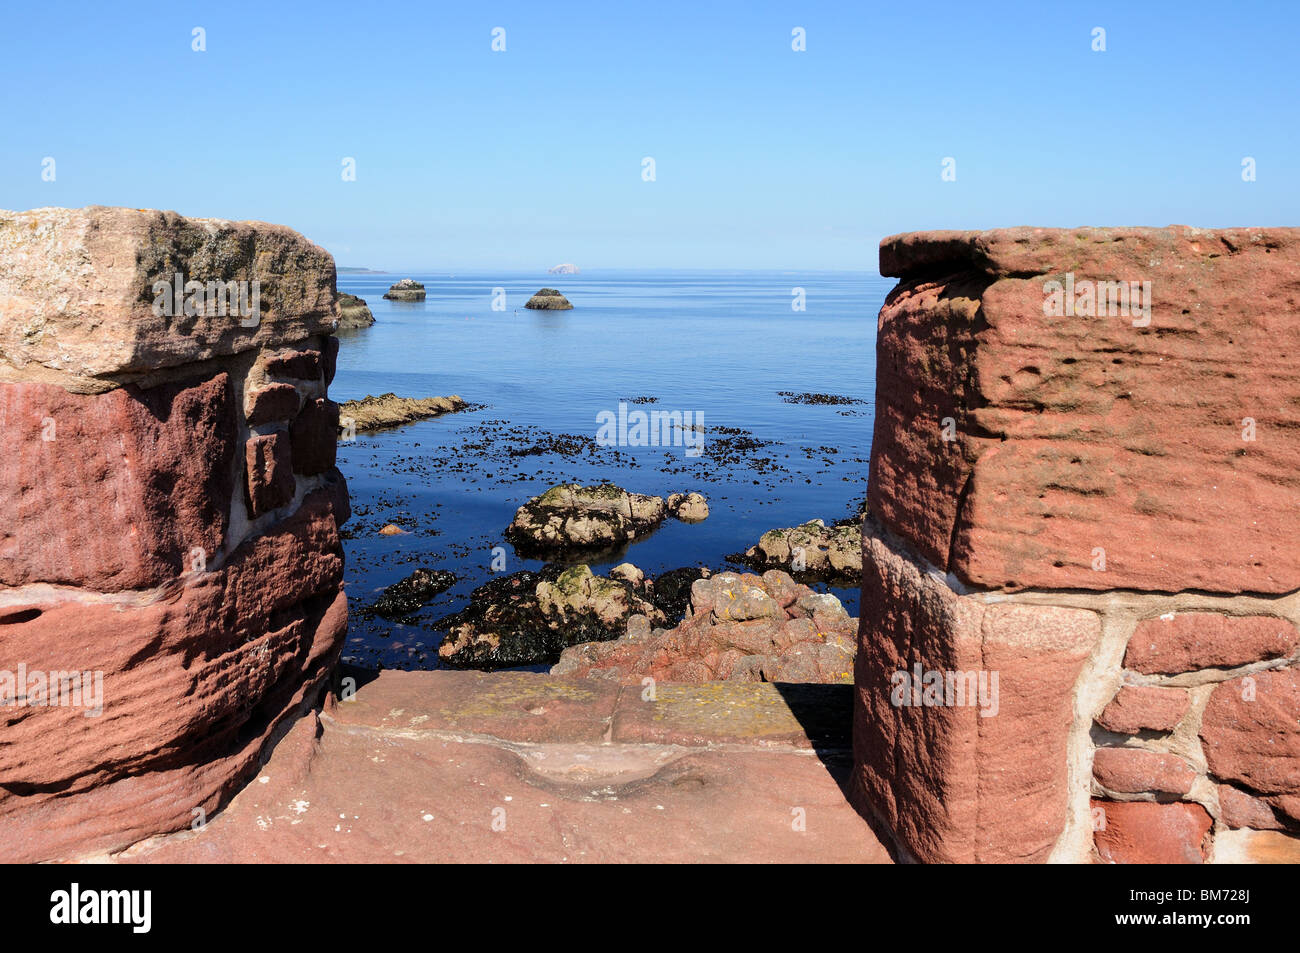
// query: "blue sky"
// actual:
[[764, 157]]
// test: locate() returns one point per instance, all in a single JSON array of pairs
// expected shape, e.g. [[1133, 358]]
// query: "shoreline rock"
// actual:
[[389, 410], [405, 290], [548, 299], [739, 628]]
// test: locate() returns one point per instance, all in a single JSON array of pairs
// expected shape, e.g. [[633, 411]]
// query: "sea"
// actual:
[[731, 351]]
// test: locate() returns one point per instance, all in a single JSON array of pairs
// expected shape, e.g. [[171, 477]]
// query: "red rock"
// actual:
[[1143, 832], [314, 435], [270, 472], [952, 784], [1239, 809], [131, 483], [1136, 771], [1251, 731], [300, 365], [1195, 640], [77, 293], [195, 685], [736, 629], [1144, 708], [329, 358], [1072, 435], [271, 402]]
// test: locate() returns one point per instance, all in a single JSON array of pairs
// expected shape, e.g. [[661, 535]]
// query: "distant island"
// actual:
[[566, 269], [348, 270]]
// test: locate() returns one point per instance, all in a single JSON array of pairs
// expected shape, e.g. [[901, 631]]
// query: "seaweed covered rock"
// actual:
[[529, 618], [548, 299], [412, 593]]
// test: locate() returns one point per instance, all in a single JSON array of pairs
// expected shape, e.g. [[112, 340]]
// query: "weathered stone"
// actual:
[[963, 778], [314, 435], [329, 359], [736, 630], [1138, 708], [1137, 771], [270, 472], [1239, 809], [195, 684], [77, 293], [271, 402], [1144, 832], [114, 491], [1256, 847], [688, 507], [299, 365], [1251, 731], [1193, 640], [1018, 450]]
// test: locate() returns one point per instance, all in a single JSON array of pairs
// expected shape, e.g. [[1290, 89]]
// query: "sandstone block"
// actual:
[[1018, 449]]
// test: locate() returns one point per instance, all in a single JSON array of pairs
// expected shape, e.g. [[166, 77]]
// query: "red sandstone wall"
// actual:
[[1102, 509], [169, 518]]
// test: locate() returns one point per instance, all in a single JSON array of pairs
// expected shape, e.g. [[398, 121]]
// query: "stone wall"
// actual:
[[168, 521], [1083, 548]]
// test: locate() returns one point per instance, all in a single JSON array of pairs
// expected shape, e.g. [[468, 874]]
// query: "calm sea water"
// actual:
[[717, 344]]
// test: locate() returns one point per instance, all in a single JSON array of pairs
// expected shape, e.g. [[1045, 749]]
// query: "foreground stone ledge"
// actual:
[[77, 289], [1020, 450], [373, 783]]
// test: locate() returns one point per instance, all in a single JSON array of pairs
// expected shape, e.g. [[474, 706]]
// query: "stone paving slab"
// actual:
[[361, 784], [710, 713], [512, 706]]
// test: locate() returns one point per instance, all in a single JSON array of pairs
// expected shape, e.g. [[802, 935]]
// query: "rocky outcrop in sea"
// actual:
[[570, 517], [548, 299], [389, 410], [354, 313], [405, 290]]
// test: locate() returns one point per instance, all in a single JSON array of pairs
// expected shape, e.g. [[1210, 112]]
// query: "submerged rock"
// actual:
[[389, 410], [412, 593], [548, 299], [740, 627], [406, 290], [354, 313]]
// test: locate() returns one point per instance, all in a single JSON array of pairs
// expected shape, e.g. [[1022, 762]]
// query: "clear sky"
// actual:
[[764, 157]]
